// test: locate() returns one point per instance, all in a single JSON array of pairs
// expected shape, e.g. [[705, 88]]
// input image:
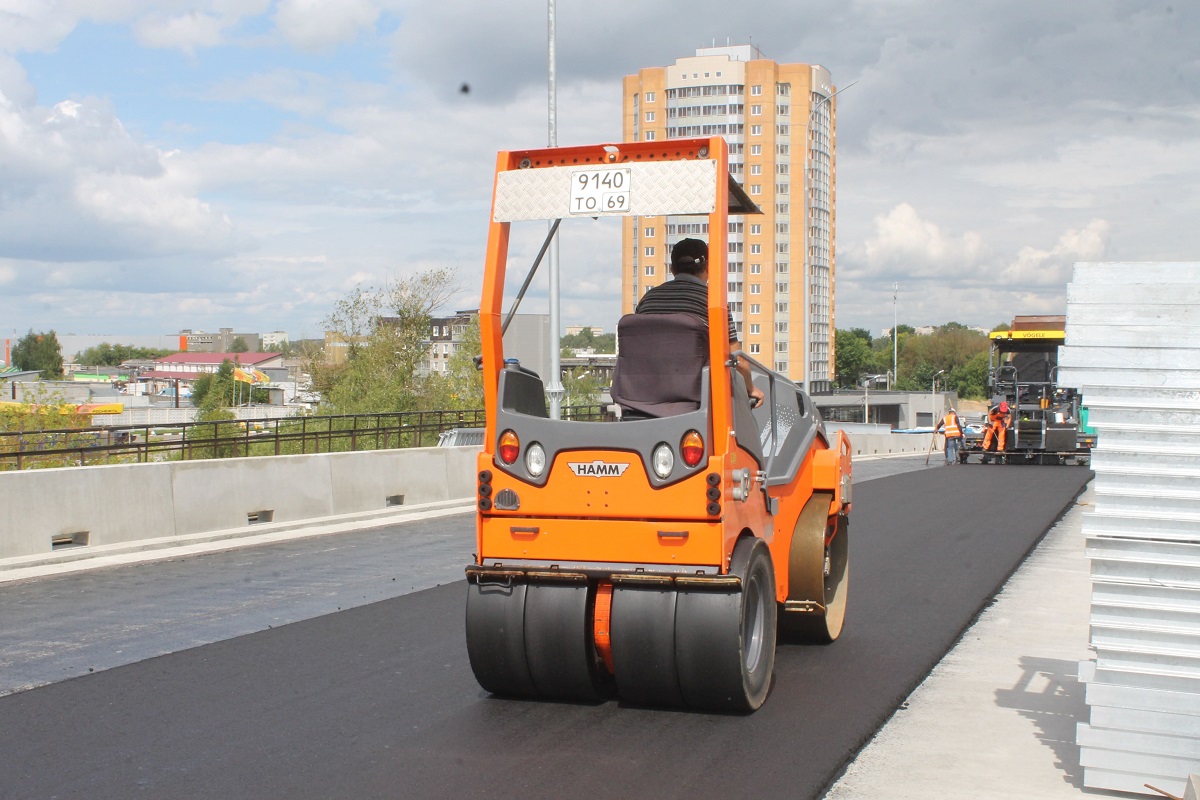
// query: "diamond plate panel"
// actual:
[[656, 189]]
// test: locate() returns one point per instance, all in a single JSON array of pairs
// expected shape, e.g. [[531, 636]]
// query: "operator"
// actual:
[[997, 430], [687, 293], [953, 430]]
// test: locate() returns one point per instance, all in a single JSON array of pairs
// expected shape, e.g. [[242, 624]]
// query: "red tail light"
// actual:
[[510, 447], [692, 448]]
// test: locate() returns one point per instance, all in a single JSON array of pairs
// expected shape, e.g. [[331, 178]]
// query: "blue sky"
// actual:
[[167, 164]]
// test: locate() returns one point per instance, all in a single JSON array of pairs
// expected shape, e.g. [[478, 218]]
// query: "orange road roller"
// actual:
[[655, 557]]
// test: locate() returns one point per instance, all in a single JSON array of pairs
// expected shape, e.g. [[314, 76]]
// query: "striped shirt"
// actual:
[[686, 294]]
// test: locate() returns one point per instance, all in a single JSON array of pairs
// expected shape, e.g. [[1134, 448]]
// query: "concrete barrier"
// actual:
[[46, 511], [50, 510]]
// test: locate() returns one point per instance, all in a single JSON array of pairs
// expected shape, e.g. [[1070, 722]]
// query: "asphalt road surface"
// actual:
[[379, 700]]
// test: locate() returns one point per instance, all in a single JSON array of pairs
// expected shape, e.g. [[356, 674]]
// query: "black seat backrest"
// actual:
[[659, 366]]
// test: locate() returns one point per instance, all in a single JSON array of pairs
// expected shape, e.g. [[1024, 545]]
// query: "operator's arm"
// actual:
[[743, 366]]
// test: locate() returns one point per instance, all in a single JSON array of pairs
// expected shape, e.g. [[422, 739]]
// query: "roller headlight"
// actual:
[[663, 461], [535, 460]]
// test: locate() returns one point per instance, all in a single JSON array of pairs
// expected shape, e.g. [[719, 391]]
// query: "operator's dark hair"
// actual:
[[689, 256]]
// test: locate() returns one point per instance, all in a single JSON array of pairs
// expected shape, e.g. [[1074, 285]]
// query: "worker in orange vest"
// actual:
[[953, 430], [997, 431]]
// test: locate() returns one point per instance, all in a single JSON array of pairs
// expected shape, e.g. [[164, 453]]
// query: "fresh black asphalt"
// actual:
[[379, 701]]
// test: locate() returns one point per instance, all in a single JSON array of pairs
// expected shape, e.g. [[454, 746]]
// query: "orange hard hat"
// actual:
[[1004, 407]]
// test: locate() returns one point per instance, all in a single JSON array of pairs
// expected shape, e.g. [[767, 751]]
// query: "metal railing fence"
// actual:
[[66, 447]]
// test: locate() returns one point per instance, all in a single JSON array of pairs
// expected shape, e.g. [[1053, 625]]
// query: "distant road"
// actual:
[[378, 700]]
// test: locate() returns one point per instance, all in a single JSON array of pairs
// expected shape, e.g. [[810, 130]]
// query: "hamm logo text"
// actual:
[[597, 469]]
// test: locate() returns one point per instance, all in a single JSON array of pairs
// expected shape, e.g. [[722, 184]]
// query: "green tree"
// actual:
[[40, 351], [585, 339], [238, 345], [386, 331], [582, 387], [113, 355], [853, 357]]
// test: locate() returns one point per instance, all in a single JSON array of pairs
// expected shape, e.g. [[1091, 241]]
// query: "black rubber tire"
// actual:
[[725, 641], [559, 647], [496, 638], [643, 646]]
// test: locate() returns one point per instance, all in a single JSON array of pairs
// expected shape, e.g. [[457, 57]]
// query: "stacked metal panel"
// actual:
[[1133, 349]]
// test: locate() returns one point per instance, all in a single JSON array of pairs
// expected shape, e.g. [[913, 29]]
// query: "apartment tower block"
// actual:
[[779, 121]]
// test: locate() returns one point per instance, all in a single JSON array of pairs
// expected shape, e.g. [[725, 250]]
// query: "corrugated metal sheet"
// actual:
[[1133, 349]]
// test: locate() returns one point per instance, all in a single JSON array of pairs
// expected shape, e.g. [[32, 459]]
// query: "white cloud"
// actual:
[[1035, 267], [905, 242], [320, 25], [78, 186], [196, 28]]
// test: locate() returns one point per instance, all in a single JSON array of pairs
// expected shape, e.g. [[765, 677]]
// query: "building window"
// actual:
[[781, 89], [735, 227], [756, 130], [781, 227], [756, 91], [649, 233], [781, 308], [781, 248], [782, 130], [756, 111], [755, 328], [648, 136], [781, 366], [755, 288], [781, 267], [649, 251], [781, 169], [755, 229], [734, 267], [756, 269], [756, 169], [756, 149], [782, 188], [755, 348], [735, 287], [649, 270], [781, 327], [782, 110], [755, 188], [649, 97], [735, 247], [755, 249], [781, 347], [781, 287], [782, 149], [755, 308]]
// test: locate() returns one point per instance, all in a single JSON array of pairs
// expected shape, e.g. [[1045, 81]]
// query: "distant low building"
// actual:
[[220, 342], [274, 341], [188, 366]]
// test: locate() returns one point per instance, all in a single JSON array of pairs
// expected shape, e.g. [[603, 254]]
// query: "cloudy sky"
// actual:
[[169, 164]]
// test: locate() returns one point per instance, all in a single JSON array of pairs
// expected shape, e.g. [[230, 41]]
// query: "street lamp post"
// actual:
[[895, 332], [554, 389], [933, 399], [807, 278]]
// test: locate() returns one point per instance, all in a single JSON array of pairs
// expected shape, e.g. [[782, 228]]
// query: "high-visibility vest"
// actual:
[[951, 423]]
